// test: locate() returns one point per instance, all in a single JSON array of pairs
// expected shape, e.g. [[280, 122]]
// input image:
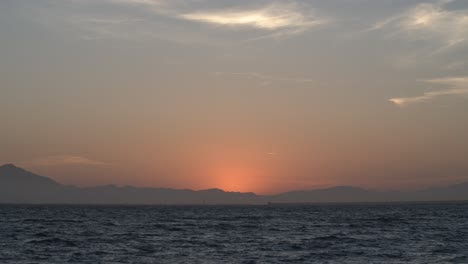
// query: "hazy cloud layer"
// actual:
[[263, 79], [431, 22], [65, 160], [458, 86]]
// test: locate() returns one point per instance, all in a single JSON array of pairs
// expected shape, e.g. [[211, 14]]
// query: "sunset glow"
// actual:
[[236, 178], [251, 96], [234, 131]]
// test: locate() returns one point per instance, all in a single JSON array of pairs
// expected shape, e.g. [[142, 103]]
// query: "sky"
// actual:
[[253, 96]]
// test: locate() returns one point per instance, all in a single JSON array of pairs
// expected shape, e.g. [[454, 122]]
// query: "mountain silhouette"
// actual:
[[20, 186], [10, 174], [333, 194]]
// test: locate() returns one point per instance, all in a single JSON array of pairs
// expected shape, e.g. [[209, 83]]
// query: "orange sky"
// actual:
[[262, 96]]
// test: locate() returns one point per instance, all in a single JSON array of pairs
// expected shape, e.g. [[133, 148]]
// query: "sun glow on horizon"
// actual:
[[234, 179]]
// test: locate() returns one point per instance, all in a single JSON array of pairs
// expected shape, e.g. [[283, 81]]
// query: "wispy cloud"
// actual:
[[430, 21], [152, 3], [264, 79], [107, 27], [160, 19], [275, 16], [458, 86], [111, 20], [454, 65], [278, 18], [65, 160]]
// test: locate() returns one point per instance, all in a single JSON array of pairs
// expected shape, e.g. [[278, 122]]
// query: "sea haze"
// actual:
[[18, 186]]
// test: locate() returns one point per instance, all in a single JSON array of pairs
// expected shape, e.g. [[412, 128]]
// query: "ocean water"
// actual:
[[346, 233]]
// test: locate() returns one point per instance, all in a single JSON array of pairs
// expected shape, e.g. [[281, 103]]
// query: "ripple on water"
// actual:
[[424, 233]]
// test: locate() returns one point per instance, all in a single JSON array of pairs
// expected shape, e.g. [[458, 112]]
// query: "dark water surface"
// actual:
[[352, 233]]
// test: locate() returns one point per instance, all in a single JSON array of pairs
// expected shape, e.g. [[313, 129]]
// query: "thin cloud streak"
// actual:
[[107, 27], [459, 86], [152, 3], [111, 21], [264, 79], [66, 160], [278, 19], [272, 17]]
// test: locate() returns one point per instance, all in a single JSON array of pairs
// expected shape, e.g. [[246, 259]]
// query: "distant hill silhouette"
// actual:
[[20, 186]]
